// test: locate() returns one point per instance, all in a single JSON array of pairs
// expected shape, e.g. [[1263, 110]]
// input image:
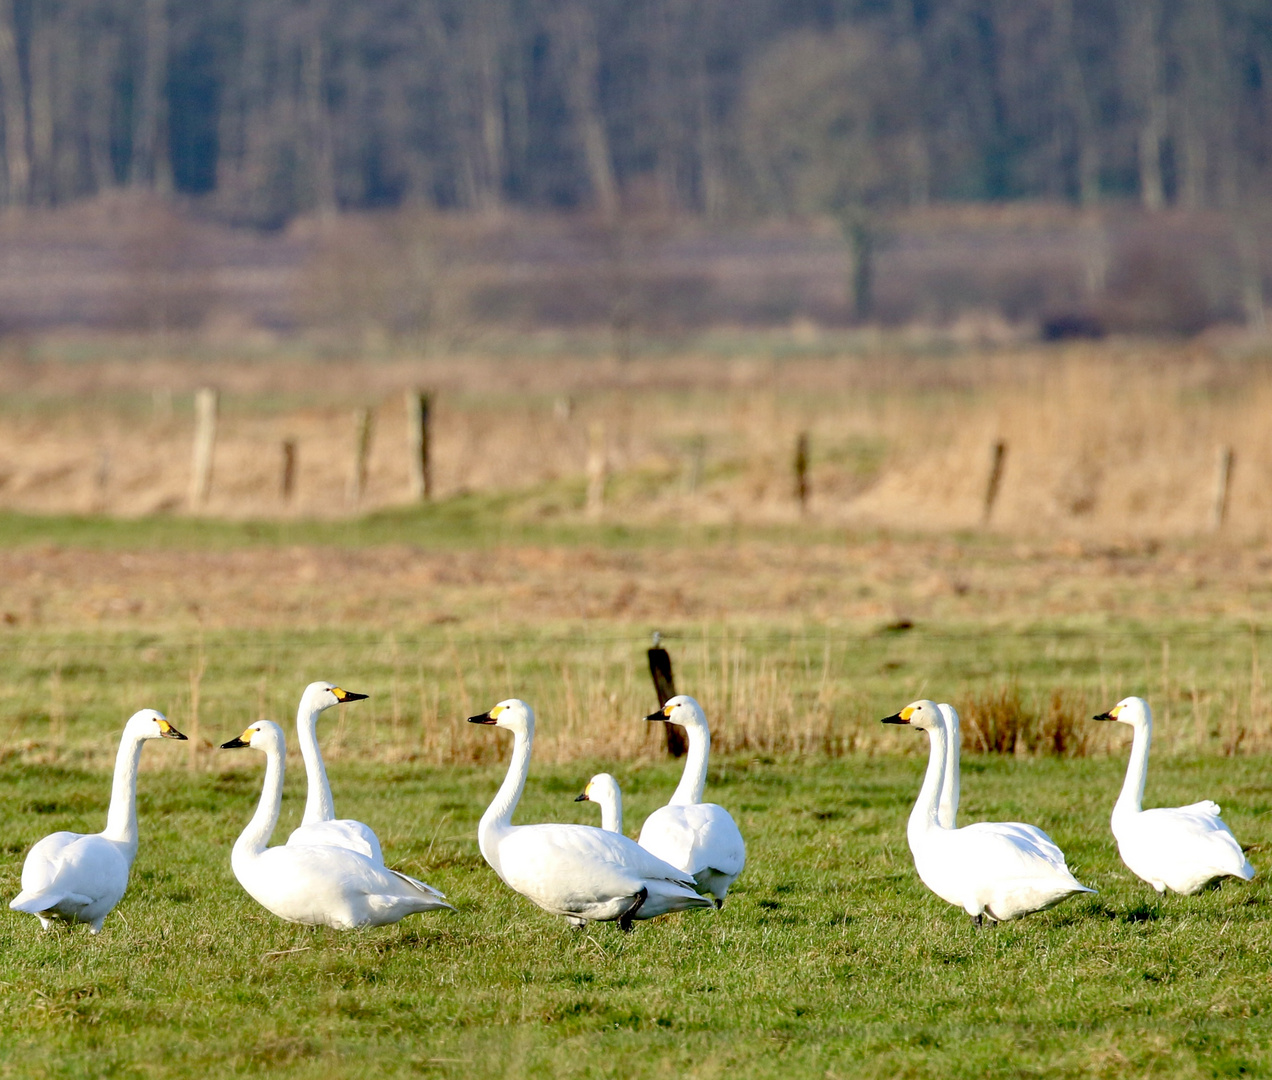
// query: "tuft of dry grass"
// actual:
[[998, 721]]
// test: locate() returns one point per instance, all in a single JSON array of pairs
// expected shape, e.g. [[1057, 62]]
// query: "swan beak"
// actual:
[[1104, 716], [582, 798], [661, 714], [903, 717], [347, 695], [484, 718], [169, 732], [234, 744]]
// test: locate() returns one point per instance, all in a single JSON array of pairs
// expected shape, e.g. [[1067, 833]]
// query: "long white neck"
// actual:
[[121, 818], [947, 812], [318, 802], [694, 778], [923, 818], [253, 839], [612, 813], [498, 816], [1132, 797]]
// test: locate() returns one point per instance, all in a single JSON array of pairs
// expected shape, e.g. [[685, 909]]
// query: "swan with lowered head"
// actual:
[[994, 870], [603, 790], [315, 884], [320, 824], [580, 872], [1182, 848], [78, 877], [699, 838]]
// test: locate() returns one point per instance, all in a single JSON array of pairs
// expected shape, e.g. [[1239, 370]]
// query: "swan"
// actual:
[[578, 871], [79, 877], [603, 790], [1182, 848], [994, 870], [699, 838], [315, 884], [319, 824]]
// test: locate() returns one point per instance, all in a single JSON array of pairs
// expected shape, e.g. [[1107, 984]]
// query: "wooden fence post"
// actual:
[[205, 409], [417, 435], [665, 688], [361, 453], [1223, 480], [998, 457], [287, 485], [697, 457], [597, 468], [801, 471]]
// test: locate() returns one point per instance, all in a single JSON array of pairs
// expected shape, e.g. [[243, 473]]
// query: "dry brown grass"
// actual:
[[998, 721]]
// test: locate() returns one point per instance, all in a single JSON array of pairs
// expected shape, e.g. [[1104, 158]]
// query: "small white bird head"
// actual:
[[323, 695], [682, 710], [602, 788], [920, 714], [513, 714], [262, 735], [151, 724], [1130, 710]]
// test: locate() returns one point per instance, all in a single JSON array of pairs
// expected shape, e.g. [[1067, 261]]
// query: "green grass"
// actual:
[[830, 958]]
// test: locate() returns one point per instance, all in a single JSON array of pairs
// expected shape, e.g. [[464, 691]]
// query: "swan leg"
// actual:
[[978, 921], [625, 919], [575, 923]]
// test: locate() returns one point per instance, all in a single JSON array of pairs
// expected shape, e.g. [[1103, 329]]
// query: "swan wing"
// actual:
[[1183, 848], [73, 876], [341, 832], [696, 837]]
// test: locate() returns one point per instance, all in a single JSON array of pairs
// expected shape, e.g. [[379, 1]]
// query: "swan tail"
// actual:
[[36, 903], [427, 890]]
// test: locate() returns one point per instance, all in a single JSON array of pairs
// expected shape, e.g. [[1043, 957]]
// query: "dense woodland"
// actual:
[[265, 109]]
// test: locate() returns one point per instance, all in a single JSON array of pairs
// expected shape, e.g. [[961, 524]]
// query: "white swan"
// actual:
[[320, 824], [1183, 848], [578, 871], [947, 810], [603, 790], [994, 870], [78, 877], [699, 838], [315, 884]]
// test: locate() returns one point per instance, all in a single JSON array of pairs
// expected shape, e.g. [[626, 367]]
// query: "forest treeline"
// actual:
[[728, 109]]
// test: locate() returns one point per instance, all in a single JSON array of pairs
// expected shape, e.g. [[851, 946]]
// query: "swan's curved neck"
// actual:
[[923, 818], [947, 812], [255, 837], [121, 818], [612, 814], [318, 802], [1132, 796], [694, 778], [498, 815]]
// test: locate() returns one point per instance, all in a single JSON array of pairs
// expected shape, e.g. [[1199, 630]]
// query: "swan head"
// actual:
[[262, 735], [682, 710], [151, 724], [513, 714], [1130, 710], [602, 788], [924, 714], [323, 695]]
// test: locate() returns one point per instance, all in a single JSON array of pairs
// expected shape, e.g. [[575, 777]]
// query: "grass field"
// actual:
[[830, 958]]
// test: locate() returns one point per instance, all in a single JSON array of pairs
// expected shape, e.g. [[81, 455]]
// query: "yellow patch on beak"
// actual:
[[1115, 710], [164, 726], [668, 710], [247, 735], [494, 713], [907, 712]]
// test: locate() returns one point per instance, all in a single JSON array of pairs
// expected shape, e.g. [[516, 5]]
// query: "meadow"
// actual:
[[796, 631]]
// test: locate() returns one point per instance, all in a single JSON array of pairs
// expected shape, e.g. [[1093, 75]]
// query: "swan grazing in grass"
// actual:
[[78, 877], [603, 790], [1183, 848], [699, 838], [994, 870], [578, 871], [315, 884], [320, 824]]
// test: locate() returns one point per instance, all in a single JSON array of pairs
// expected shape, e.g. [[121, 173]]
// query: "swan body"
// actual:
[[603, 790], [577, 871], [320, 824], [700, 838], [992, 870], [1183, 848], [316, 884], [80, 877]]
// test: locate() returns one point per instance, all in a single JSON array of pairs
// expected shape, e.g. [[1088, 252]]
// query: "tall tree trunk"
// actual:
[[150, 164], [576, 30], [17, 158], [1078, 103], [43, 35], [317, 117], [1144, 62]]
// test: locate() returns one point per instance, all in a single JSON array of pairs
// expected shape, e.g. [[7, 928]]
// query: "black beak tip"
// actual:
[[175, 734], [233, 744], [581, 798], [351, 696], [1102, 716], [895, 718], [659, 715], [484, 718]]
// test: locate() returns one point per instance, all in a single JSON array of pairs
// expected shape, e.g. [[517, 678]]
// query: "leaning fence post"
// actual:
[[287, 484], [801, 471], [361, 453], [665, 688], [597, 467], [205, 408], [998, 457], [417, 436], [1223, 480]]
